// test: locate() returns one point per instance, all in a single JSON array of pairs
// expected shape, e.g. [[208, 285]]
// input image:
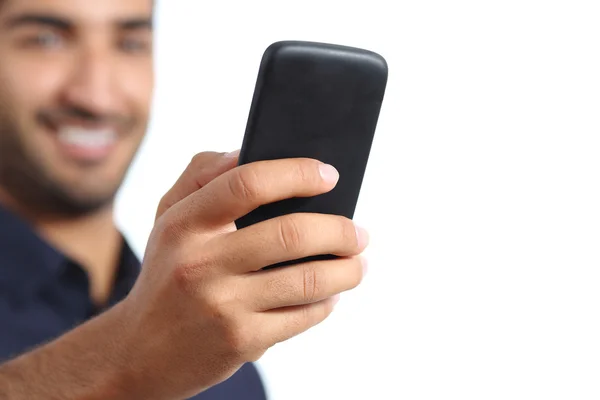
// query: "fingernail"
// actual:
[[335, 299], [329, 173], [362, 236], [365, 265], [232, 154]]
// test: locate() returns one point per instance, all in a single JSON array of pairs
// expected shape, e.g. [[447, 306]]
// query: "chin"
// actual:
[[82, 205], [88, 196]]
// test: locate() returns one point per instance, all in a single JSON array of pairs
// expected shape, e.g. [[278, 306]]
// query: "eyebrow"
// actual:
[[132, 24], [38, 19], [64, 24]]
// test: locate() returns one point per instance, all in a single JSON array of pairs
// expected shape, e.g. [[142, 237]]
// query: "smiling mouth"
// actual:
[[84, 143], [82, 137], [86, 138]]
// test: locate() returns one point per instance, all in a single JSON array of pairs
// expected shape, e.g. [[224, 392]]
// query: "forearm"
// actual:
[[87, 363]]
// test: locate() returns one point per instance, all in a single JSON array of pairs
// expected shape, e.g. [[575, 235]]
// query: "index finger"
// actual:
[[245, 188]]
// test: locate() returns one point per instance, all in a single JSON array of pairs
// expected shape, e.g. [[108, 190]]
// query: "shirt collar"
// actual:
[[26, 260]]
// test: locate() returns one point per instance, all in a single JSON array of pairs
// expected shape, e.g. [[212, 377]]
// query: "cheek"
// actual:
[[136, 84], [25, 85]]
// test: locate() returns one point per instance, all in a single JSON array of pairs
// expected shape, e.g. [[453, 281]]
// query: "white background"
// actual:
[[481, 196]]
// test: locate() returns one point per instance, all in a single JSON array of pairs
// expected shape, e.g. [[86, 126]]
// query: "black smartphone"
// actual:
[[320, 101]]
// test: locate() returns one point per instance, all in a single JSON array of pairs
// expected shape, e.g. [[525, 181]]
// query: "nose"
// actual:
[[91, 83]]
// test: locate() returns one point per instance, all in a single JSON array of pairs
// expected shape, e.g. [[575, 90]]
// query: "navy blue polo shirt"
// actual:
[[43, 294]]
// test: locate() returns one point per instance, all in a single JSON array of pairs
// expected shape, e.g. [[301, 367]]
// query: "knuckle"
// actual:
[[222, 309], [184, 278], [170, 231], [310, 284], [304, 171], [307, 171], [197, 161], [239, 339], [198, 167], [220, 298], [188, 277], [289, 234], [245, 184], [219, 295]]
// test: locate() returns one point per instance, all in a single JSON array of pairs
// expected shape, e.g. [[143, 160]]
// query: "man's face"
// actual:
[[76, 81]]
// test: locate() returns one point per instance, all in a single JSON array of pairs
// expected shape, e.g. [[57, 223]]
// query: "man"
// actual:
[[76, 320]]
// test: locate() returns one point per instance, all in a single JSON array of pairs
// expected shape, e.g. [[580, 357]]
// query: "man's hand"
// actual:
[[202, 306]]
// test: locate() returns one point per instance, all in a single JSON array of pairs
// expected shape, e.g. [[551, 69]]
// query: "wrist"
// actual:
[[89, 362], [120, 372]]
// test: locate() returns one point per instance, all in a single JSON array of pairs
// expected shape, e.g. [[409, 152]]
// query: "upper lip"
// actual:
[[55, 124]]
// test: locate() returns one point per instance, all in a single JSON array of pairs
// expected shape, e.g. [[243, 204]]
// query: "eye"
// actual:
[[45, 39], [134, 45]]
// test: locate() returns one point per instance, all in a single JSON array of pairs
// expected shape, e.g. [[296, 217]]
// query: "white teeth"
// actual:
[[90, 138]]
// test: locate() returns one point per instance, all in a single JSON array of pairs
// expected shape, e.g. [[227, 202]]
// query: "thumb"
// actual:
[[203, 168]]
